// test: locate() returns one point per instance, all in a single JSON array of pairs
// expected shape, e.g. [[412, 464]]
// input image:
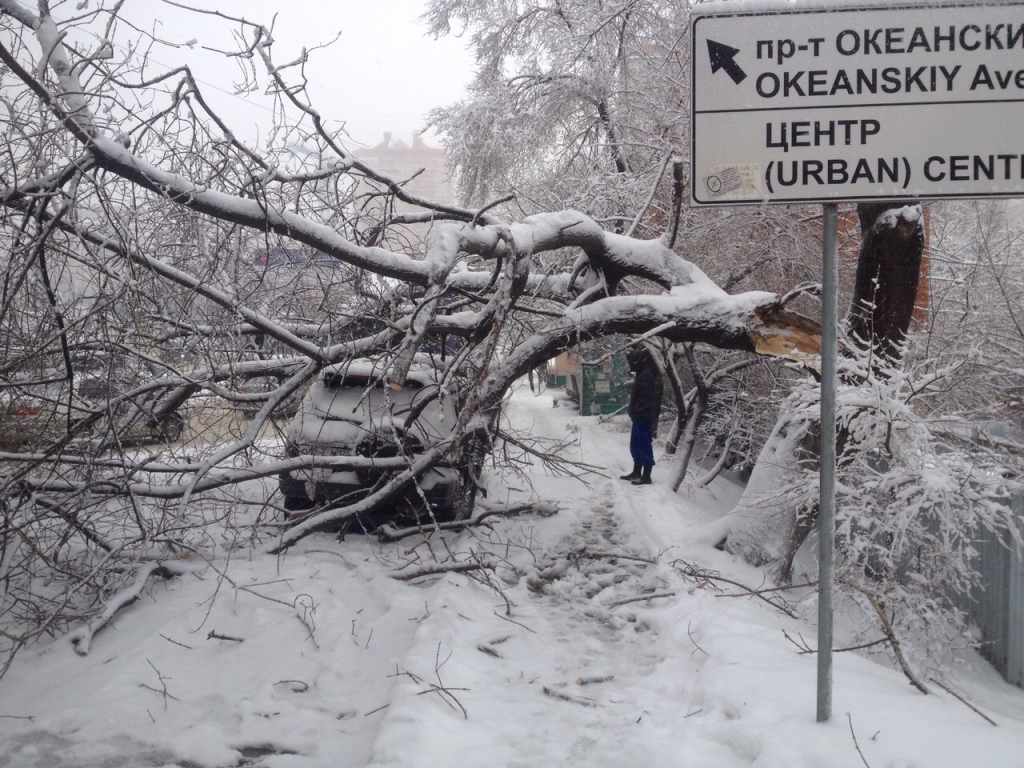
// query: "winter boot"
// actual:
[[634, 475], [645, 477]]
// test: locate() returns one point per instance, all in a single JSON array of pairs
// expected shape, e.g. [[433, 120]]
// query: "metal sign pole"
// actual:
[[827, 467], [779, 79]]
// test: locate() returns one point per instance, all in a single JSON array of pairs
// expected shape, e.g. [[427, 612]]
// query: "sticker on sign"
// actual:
[[830, 102], [733, 182]]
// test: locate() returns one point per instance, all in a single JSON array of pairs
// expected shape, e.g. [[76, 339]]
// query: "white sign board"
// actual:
[[804, 103]]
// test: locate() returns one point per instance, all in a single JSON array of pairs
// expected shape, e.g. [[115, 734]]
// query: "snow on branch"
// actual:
[[82, 637]]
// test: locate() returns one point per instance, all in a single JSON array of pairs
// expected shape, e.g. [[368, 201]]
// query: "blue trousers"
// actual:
[[641, 444]]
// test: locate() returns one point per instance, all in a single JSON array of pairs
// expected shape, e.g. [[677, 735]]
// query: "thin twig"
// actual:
[[486, 579], [324, 552], [702, 576], [488, 206], [567, 697], [889, 633], [163, 685], [640, 598], [769, 589], [965, 702], [863, 759], [291, 684], [805, 648], [592, 680], [176, 642], [802, 645], [305, 610], [650, 197], [389, 533], [690, 635], [441, 690], [440, 684], [215, 635], [518, 624]]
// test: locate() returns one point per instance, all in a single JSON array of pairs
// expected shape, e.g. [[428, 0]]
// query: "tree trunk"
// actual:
[[888, 272], [679, 397], [693, 421]]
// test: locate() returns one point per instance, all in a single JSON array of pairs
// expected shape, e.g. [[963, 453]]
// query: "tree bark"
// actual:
[[888, 273]]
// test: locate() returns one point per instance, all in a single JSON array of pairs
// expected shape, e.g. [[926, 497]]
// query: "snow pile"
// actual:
[[606, 635]]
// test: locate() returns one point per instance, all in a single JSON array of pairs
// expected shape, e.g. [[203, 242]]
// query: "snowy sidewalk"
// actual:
[[601, 638]]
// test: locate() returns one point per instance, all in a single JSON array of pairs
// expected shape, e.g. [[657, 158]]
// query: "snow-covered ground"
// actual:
[[547, 660]]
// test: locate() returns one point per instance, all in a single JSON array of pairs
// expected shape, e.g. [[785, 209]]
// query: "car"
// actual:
[[33, 415], [106, 384], [38, 413], [351, 411]]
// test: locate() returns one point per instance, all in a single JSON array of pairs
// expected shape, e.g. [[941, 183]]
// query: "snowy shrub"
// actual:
[[911, 499]]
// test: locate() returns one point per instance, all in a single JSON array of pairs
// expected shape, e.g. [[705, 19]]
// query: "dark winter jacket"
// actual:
[[645, 399]]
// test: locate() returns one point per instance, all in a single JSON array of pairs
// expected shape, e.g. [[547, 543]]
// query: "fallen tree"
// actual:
[[130, 211]]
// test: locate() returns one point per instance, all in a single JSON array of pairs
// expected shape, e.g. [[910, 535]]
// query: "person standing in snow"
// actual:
[[644, 408]]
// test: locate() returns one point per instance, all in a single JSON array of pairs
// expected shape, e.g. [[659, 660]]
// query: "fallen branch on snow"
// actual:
[[81, 638], [442, 690], [433, 570], [389, 533], [163, 685], [568, 697], [305, 609], [592, 680], [597, 555], [215, 635], [703, 577], [639, 598], [488, 650]]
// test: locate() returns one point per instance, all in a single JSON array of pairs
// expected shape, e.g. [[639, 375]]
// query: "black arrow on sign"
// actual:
[[722, 58]]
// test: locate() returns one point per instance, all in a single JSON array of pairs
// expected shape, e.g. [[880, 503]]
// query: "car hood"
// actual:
[[346, 404]]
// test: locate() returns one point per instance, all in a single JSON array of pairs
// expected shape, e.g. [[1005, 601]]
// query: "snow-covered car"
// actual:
[[351, 411], [262, 387]]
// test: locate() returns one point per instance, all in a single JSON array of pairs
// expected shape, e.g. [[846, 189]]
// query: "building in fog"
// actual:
[[423, 167]]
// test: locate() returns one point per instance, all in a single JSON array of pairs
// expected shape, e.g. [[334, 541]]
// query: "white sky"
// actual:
[[385, 72]]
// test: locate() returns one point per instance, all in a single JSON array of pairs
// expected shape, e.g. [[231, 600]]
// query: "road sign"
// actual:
[[856, 102]]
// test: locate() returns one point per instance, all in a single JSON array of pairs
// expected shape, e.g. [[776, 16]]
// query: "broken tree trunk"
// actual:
[[771, 525]]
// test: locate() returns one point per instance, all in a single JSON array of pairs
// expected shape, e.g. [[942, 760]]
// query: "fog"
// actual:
[[384, 72]]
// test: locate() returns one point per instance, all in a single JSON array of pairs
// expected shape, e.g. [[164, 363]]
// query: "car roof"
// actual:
[[422, 371]]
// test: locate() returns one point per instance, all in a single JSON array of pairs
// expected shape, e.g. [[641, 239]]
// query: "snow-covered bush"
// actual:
[[911, 498]]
